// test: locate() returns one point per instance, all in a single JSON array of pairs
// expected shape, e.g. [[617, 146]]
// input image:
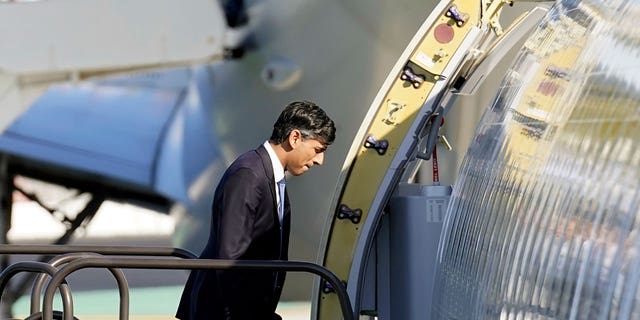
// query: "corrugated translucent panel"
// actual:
[[544, 218]]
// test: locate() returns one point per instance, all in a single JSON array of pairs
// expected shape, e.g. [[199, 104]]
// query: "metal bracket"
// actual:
[[454, 13], [344, 212], [380, 145], [416, 79], [328, 288]]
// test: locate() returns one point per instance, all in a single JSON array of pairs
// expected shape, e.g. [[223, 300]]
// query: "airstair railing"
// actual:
[[102, 249], [38, 285], [147, 263], [190, 264], [40, 267], [122, 250]]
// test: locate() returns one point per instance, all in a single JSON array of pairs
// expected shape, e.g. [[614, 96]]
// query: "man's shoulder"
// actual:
[[247, 167], [250, 158]]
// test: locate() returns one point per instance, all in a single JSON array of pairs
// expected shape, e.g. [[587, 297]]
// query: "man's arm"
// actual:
[[241, 196]]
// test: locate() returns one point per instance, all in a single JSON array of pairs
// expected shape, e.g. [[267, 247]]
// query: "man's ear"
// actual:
[[295, 137]]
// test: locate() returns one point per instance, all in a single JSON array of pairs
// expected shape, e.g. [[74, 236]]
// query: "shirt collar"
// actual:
[[278, 170]]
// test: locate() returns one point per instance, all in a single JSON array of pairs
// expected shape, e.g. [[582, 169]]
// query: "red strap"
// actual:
[[434, 163]]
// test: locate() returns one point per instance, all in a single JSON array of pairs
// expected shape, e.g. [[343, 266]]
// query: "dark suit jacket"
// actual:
[[244, 226]]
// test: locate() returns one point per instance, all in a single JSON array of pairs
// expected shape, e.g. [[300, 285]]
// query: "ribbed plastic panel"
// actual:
[[543, 221]]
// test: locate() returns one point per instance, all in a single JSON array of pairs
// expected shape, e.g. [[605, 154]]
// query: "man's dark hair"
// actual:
[[307, 117]]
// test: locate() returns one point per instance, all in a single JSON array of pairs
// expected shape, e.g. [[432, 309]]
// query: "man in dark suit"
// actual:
[[251, 219]]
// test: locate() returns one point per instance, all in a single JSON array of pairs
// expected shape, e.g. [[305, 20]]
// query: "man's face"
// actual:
[[305, 154]]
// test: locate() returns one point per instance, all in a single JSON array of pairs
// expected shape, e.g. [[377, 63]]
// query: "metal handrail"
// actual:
[[35, 266], [155, 263], [123, 288], [104, 250], [19, 249]]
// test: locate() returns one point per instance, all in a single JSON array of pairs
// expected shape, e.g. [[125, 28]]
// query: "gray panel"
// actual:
[[415, 219]]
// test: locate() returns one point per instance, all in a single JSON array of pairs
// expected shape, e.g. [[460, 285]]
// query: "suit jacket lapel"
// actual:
[[268, 171]]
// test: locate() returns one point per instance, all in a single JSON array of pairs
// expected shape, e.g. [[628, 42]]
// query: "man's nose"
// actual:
[[319, 158]]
